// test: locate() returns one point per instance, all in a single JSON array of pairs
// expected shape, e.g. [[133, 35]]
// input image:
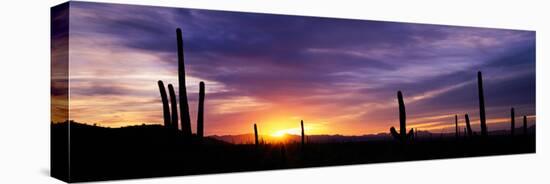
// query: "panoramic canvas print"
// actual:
[[145, 91]]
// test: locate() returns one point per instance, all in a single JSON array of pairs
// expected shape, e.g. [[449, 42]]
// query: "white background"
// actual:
[[24, 94]]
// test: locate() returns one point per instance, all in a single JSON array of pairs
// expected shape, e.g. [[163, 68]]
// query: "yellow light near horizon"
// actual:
[[278, 134], [282, 133]]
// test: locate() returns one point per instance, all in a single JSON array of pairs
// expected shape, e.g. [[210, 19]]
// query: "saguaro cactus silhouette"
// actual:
[[524, 125], [200, 114], [456, 126], [512, 122], [303, 135], [165, 107], [402, 135], [256, 135], [468, 127], [184, 106], [482, 120], [174, 107]]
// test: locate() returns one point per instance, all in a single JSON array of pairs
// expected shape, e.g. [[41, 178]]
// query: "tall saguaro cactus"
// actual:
[[456, 126], [184, 106], [256, 135], [512, 122], [482, 119], [200, 114], [402, 135], [468, 127], [173, 106], [303, 135], [165, 107]]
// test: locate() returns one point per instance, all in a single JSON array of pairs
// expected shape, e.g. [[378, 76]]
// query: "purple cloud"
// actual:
[[341, 72]]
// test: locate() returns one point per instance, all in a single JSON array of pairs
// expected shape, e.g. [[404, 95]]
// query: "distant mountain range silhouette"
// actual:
[[249, 138]]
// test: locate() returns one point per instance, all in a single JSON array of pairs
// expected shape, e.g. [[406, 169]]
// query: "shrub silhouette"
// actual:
[[165, 107], [402, 135], [200, 114], [512, 122], [184, 105], [468, 127], [174, 106], [482, 120]]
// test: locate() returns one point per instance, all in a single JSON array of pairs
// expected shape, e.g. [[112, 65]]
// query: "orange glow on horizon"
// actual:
[[279, 129], [275, 120]]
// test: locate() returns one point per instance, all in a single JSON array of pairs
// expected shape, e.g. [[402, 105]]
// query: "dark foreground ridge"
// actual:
[[98, 153]]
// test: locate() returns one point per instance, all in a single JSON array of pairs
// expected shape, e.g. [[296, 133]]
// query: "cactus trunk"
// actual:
[[481, 105], [200, 116], [303, 135], [468, 127], [184, 106], [402, 135], [256, 135], [524, 125], [174, 107], [512, 122], [456, 126], [165, 107], [402, 114]]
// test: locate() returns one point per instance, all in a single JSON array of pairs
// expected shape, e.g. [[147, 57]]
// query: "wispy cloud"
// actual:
[[340, 74]]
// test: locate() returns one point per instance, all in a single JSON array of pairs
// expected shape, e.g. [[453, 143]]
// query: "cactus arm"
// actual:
[[410, 135], [395, 134], [174, 106], [165, 107], [468, 127]]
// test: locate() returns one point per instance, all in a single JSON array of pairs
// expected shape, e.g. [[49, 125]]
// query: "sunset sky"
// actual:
[[340, 76]]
